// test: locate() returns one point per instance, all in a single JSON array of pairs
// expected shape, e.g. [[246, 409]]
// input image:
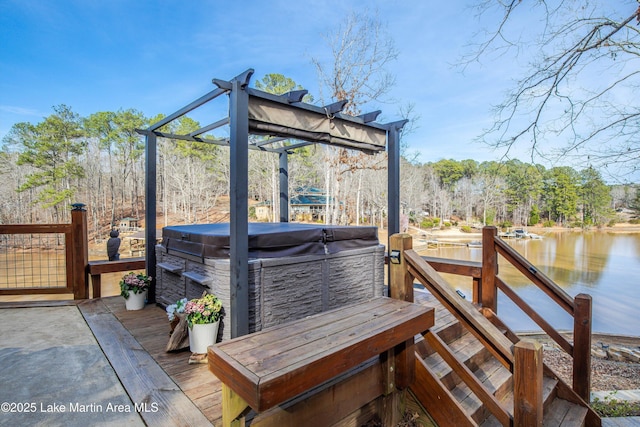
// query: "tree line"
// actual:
[[99, 160]]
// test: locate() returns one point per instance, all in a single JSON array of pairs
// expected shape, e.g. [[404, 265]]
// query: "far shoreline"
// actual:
[[454, 232]]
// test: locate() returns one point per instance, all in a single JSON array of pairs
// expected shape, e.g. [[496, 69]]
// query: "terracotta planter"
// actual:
[[136, 301], [202, 336]]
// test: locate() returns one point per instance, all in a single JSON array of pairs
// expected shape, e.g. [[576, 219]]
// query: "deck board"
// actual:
[[194, 392], [149, 329]]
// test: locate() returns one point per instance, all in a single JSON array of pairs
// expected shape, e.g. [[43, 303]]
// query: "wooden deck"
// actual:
[[135, 342], [123, 334]]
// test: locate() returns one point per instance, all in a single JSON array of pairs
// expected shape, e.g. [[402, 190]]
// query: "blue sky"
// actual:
[[157, 56]]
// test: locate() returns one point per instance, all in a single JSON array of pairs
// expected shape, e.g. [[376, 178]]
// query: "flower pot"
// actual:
[[202, 336], [136, 301]]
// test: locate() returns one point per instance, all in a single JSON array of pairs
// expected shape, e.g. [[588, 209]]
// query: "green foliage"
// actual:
[[428, 223], [548, 224], [134, 282], [491, 216], [561, 192], [466, 229], [201, 311], [506, 224], [279, 84], [534, 215], [53, 148], [612, 407], [595, 196], [449, 171]]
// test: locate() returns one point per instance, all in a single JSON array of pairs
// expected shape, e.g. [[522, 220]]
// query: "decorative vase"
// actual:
[[136, 301], [202, 336]]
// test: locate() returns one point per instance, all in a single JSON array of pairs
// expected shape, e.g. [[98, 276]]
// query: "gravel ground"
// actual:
[[606, 375]]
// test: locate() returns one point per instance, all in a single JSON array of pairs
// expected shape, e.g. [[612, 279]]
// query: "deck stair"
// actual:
[[454, 401]]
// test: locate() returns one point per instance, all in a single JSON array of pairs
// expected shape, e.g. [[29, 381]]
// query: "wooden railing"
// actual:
[[98, 268], [75, 256], [485, 284], [579, 307], [77, 266]]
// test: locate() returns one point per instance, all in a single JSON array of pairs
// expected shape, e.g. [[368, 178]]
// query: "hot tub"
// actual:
[[295, 270]]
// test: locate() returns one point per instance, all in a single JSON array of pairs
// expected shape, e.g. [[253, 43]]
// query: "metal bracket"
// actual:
[[336, 107], [295, 95], [394, 257], [370, 117]]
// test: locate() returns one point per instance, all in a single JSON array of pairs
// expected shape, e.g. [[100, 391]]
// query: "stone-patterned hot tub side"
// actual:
[[345, 266]]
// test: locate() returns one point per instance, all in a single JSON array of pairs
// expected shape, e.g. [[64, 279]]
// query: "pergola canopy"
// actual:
[[281, 117]]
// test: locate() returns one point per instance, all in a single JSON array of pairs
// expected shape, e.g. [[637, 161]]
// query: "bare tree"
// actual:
[[360, 51], [581, 84]]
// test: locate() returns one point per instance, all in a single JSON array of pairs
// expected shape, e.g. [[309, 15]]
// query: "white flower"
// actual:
[[171, 308], [178, 307]]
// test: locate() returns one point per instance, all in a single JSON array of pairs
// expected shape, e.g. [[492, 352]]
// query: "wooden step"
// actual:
[[468, 350], [548, 396], [564, 413], [448, 329], [446, 326], [496, 379]]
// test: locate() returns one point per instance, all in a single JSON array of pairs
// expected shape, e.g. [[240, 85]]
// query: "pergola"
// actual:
[[283, 117]]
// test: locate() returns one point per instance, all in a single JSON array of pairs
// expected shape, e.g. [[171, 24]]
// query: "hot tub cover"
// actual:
[[268, 240]]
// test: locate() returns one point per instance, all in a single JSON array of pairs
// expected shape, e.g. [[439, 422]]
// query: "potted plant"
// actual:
[[203, 318], [134, 287]]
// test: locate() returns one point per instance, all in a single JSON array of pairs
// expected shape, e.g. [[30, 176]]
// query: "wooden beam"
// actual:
[[331, 404], [529, 311], [80, 252], [582, 346], [97, 268], [443, 407], [455, 266], [527, 384], [126, 264], [488, 295], [233, 408], [401, 282]]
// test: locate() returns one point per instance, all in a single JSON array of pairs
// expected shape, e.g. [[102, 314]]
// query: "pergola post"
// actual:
[[239, 192], [393, 183], [284, 186], [151, 149]]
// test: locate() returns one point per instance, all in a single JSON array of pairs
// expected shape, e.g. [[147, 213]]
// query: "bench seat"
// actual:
[[269, 367]]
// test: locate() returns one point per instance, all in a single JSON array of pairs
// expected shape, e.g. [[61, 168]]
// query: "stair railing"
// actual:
[[579, 307], [405, 267], [524, 359], [486, 282]]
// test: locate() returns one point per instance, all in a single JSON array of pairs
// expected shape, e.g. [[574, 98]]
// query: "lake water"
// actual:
[[603, 265]]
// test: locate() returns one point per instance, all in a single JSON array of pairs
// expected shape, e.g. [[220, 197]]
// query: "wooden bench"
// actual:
[[97, 268], [266, 368]]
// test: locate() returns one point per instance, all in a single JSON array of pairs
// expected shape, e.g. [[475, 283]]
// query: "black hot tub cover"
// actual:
[[268, 240]]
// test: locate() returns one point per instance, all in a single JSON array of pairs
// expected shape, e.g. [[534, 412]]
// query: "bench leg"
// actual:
[[96, 284], [234, 408]]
